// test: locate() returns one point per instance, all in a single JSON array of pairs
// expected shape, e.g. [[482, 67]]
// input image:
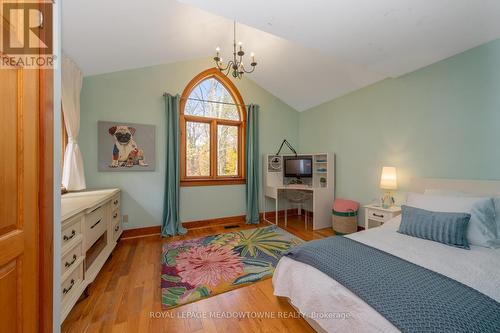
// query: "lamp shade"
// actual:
[[388, 180]]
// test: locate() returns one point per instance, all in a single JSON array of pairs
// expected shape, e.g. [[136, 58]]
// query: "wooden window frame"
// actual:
[[213, 179]]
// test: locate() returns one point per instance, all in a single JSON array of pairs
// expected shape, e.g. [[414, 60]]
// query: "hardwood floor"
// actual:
[[126, 295]]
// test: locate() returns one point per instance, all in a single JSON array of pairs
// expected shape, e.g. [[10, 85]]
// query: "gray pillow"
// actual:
[[446, 228], [482, 229], [497, 212]]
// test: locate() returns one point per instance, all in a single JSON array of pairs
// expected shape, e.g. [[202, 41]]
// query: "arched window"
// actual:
[[212, 125]]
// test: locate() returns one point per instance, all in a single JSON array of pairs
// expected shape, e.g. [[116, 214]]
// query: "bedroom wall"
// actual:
[[136, 96], [441, 121]]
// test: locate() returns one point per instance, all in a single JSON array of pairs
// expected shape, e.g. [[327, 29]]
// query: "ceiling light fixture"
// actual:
[[235, 66]]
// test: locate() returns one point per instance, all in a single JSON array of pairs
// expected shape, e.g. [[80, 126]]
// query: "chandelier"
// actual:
[[235, 66]]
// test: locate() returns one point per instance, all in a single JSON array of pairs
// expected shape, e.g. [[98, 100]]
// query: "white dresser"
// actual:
[[91, 226]]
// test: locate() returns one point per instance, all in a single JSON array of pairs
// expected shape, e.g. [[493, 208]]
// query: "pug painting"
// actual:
[[125, 153], [125, 147]]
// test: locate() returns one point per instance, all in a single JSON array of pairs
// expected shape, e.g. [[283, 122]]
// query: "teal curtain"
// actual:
[[252, 164], [171, 224]]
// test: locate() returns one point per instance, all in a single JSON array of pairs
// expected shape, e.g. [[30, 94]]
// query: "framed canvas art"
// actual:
[[125, 146]]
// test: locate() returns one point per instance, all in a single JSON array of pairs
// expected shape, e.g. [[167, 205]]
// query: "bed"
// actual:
[[330, 307]]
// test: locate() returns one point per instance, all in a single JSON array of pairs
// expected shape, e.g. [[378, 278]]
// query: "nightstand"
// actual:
[[379, 214]]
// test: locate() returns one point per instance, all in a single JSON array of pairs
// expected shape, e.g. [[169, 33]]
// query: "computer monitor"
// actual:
[[299, 167]]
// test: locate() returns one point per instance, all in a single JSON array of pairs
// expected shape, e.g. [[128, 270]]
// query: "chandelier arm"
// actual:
[[248, 72], [229, 66], [235, 66], [221, 68]]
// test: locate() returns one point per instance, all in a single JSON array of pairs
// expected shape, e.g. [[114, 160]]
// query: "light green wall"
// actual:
[[136, 96], [441, 121]]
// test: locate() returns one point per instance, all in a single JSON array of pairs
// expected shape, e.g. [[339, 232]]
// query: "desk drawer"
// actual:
[[72, 283], [71, 229], [95, 226], [377, 215]]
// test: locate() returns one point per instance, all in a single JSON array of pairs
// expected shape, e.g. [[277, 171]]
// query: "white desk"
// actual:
[[323, 165], [322, 201]]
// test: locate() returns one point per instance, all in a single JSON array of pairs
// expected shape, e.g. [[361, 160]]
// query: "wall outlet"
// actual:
[[125, 218]]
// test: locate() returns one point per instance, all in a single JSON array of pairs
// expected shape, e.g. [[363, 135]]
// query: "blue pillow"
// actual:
[[446, 228]]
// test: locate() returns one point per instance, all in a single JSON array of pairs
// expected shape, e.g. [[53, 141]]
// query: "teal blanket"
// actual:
[[412, 298]]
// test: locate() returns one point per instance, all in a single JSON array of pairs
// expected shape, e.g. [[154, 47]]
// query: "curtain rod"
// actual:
[[204, 100]]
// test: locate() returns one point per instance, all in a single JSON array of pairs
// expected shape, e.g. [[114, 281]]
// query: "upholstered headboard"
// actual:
[[473, 187]]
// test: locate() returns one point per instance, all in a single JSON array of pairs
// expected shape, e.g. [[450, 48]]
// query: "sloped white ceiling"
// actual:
[[308, 52]]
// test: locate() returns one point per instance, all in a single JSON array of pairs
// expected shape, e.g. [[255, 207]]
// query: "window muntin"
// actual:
[[211, 99]]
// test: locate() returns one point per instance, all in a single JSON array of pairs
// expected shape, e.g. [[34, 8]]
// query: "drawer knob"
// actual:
[[68, 264], [117, 227], [115, 202], [93, 226], [67, 238], [378, 215], [66, 290], [115, 215]]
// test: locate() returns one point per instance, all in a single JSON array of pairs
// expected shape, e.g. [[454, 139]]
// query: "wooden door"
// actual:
[[18, 200], [19, 197]]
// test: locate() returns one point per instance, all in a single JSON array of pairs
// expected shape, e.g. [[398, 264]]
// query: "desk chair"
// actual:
[[296, 197]]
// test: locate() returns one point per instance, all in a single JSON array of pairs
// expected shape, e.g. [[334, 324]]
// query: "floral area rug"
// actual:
[[202, 267]]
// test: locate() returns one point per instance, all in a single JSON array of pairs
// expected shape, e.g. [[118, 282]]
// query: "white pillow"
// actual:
[[441, 203], [482, 226], [451, 193], [446, 193]]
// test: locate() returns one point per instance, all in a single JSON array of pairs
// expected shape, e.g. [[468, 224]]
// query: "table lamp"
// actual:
[[388, 181]]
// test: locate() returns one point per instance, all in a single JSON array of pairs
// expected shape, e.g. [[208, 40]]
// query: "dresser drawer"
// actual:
[[377, 215], [115, 202], [95, 226], [71, 229], [115, 216], [72, 283], [71, 259], [117, 230], [115, 224]]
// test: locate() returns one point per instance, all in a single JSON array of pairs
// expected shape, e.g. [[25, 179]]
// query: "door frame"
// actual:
[[46, 200], [46, 219]]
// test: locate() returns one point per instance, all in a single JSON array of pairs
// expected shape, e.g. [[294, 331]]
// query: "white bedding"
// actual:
[[314, 293]]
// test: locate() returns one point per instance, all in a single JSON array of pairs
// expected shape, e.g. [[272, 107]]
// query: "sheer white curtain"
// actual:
[[73, 176]]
